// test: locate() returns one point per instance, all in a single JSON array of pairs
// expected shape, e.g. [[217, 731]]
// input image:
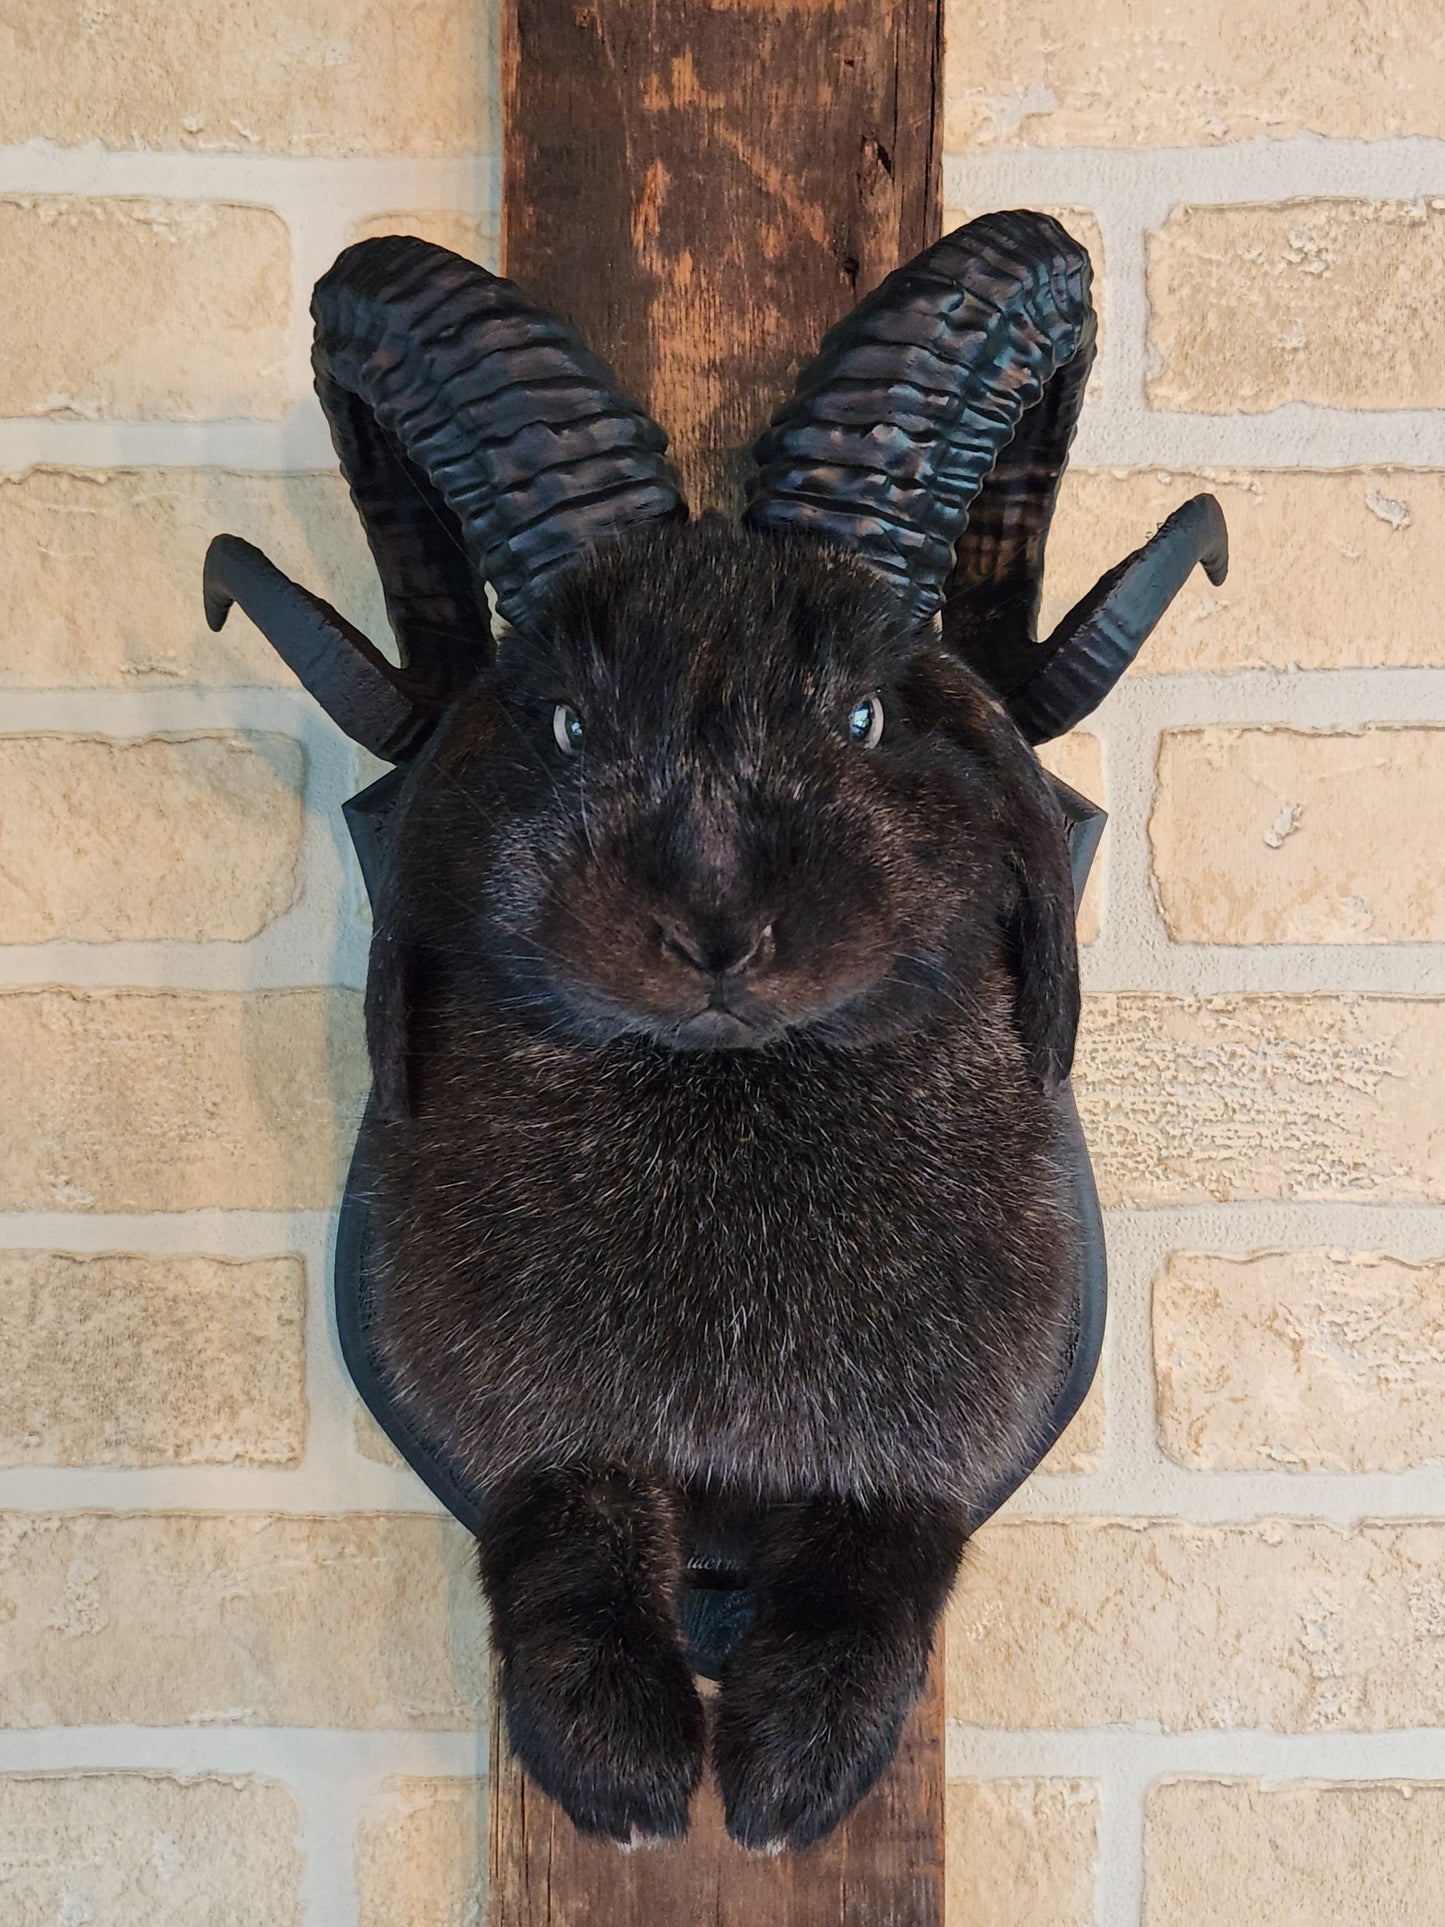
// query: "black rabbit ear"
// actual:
[[483, 443], [929, 438], [1046, 833], [1043, 953], [1040, 927]]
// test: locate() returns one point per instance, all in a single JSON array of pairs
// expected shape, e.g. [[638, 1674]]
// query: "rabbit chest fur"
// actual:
[[788, 1274]]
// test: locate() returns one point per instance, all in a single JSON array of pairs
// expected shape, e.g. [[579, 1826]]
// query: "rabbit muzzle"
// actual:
[[721, 959]]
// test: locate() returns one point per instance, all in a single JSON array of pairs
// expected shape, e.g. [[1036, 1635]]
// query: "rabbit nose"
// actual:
[[719, 949]]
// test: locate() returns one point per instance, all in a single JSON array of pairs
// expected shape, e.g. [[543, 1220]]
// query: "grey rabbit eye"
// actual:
[[865, 722], [567, 729]]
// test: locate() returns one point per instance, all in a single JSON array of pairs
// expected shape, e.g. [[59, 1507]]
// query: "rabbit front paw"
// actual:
[[807, 1722], [610, 1726]]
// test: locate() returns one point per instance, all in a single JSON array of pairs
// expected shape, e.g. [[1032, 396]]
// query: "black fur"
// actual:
[[664, 1243]]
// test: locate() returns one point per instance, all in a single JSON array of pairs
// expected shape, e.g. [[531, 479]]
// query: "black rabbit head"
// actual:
[[728, 789], [718, 785]]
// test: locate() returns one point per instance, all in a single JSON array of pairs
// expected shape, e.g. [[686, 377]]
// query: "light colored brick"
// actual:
[[239, 1619], [275, 76], [1317, 1361], [1082, 1443], [1300, 836], [147, 1850], [143, 310], [1078, 760], [130, 1359], [1020, 1853], [216, 817], [1296, 1627], [102, 583], [1303, 1854], [1335, 569], [1155, 73], [136, 1100], [1188, 1099], [422, 1859], [1084, 225], [371, 1442], [1333, 302], [476, 236]]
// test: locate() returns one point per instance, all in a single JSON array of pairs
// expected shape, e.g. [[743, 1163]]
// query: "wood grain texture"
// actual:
[[703, 187], [883, 1869]]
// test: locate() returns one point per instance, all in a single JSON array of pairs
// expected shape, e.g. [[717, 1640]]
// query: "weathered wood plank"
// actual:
[[703, 187], [883, 1869]]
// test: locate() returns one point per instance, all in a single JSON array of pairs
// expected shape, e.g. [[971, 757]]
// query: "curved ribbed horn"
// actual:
[[929, 437], [1101, 635], [483, 442], [512, 437], [378, 705], [981, 344]]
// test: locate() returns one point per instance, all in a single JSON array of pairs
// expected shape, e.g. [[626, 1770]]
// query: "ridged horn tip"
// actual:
[[1102, 634], [378, 705], [1214, 535], [222, 553]]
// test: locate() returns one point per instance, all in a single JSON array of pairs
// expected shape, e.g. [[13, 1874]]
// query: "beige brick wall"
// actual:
[[179, 1618], [102, 564], [1252, 307], [331, 77], [1273, 835], [206, 290], [1221, 1625], [148, 1850], [138, 1100], [1296, 1855], [243, 1675], [1320, 1361], [1022, 1853], [124, 1358], [1375, 606], [1291, 1626], [421, 1855], [243, 1660], [1157, 73], [219, 816]]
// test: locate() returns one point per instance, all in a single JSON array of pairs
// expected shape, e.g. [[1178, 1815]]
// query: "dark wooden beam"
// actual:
[[703, 187], [884, 1868]]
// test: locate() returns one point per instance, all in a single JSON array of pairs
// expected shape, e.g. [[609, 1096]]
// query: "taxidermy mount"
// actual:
[[720, 1190]]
